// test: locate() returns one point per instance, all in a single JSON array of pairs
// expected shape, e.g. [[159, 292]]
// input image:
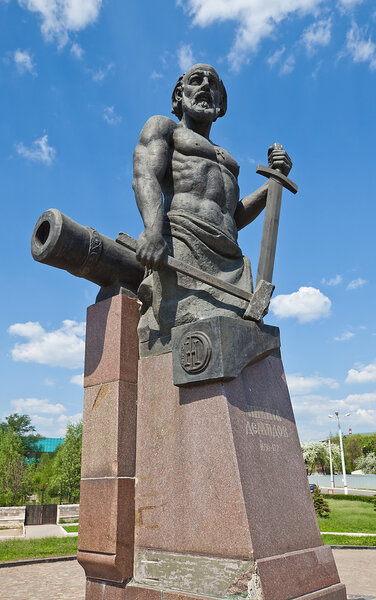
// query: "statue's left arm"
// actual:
[[252, 205]]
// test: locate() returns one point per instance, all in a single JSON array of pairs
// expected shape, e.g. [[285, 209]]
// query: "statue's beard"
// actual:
[[202, 108]]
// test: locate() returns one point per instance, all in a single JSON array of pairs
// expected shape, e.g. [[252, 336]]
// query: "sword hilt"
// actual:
[[277, 176]]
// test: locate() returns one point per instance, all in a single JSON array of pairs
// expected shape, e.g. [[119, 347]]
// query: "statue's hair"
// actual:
[[176, 100]]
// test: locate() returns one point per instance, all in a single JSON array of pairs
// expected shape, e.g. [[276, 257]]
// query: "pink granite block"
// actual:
[[297, 573], [188, 493], [102, 590], [137, 592], [106, 530], [111, 350], [269, 458], [170, 595], [220, 473], [109, 430], [94, 590]]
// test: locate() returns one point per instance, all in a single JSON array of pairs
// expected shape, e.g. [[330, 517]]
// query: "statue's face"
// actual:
[[201, 96]]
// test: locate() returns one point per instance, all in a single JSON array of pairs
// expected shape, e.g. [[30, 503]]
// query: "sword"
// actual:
[[271, 219], [258, 301], [176, 265]]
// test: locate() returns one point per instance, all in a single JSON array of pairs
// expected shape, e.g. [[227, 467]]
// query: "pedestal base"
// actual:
[[100, 590], [223, 506]]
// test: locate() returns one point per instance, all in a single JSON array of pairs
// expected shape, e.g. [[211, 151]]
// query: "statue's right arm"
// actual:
[[150, 161]]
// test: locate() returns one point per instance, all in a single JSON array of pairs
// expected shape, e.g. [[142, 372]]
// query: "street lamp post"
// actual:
[[331, 466], [341, 449]]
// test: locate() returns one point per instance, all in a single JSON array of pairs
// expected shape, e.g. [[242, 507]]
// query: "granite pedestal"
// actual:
[[106, 529], [212, 500]]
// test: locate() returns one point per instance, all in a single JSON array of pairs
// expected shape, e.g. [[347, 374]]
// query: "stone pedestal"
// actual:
[[106, 530], [223, 507], [213, 500]]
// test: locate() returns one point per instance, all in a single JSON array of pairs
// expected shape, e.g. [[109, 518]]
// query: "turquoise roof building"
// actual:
[[49, 444]]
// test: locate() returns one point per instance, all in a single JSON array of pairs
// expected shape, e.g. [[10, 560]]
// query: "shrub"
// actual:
[[321, 506]]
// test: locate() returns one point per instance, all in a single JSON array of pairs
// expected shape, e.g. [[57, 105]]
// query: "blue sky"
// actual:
[[79, 78]]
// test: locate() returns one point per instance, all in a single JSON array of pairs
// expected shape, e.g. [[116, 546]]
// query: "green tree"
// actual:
[[369, 443], [67, 464], [321, 506], [12, 467], [42, 477], [367, 463], [22, 427], [352, 448], [316, 457]]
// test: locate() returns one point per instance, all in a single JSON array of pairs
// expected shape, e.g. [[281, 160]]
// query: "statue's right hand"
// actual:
[[151, 249]]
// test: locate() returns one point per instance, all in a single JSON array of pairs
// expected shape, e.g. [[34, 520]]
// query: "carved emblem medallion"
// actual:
[[195, 352]]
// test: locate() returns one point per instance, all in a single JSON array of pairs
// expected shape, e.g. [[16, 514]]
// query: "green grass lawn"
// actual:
[[348, 540], [349, 516], [18, 549], [71, 528]]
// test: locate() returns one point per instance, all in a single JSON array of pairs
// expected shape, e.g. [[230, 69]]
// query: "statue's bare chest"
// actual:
[[192, 145]]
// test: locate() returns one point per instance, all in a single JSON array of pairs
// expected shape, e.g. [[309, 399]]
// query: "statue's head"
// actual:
[[201, 93]]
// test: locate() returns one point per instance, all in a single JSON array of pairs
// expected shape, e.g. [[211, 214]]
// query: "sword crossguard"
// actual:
[[277, 176]]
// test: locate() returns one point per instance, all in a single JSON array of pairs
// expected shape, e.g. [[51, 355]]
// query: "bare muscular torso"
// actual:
[[201, 179]]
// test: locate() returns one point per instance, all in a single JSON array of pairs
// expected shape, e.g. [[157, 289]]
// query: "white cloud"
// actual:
[[366, 416], [185, 57], [110, 116], [360, 46], [307, 304], [156, 75], [362, 374], [59, 17], [349, 3], [63, 347], [255, 19], [346, 335], [317, 34], [288, 65], [34, 406], [276, 57], [65, 420], [78, 380], [77, 51], [49, 382], [43, 425], [24, 62], [100, 74], [354, 399], [356, 283], [298, 384], [39, 151], [332, 282]]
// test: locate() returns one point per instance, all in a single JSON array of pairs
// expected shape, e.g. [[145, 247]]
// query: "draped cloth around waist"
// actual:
[[171, 298]]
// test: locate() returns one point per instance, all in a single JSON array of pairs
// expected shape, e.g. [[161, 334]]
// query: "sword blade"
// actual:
[[269, 232], [176, 265]]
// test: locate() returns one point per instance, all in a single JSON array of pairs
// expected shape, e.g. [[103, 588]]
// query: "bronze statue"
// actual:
[[187, 191]]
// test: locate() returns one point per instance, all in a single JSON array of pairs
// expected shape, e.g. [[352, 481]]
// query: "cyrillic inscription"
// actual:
[[267, 429]]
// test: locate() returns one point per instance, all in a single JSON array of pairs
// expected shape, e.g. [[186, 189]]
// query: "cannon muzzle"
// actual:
[[60, 242]]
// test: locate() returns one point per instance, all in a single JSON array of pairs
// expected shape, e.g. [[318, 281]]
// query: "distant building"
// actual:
[[49, 444]]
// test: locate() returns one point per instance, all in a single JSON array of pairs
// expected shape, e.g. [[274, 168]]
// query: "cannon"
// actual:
[[60, 242]]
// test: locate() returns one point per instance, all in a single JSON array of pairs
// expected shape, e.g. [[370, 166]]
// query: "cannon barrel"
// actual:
[[60, 242]]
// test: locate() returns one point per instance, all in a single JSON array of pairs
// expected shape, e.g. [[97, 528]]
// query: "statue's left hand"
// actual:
[[279, 159]]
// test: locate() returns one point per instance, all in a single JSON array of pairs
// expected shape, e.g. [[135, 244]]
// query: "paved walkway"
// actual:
[[43, 581], [357, 570], [66, 580]]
